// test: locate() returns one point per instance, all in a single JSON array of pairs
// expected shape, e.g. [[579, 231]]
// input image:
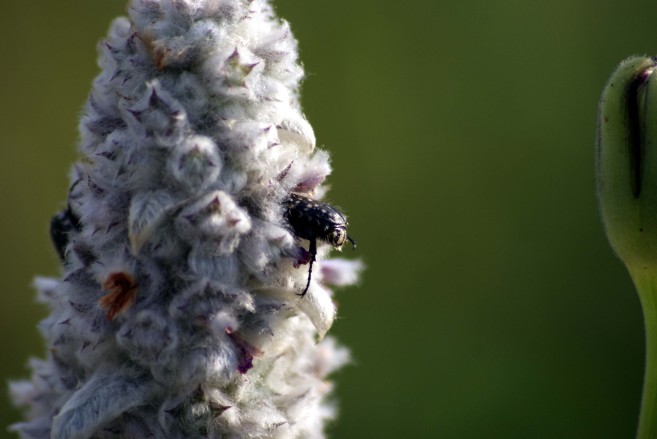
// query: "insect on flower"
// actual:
[[61, 224], [312, 220]]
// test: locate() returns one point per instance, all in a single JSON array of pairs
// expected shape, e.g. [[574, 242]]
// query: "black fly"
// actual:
[[312, 220]]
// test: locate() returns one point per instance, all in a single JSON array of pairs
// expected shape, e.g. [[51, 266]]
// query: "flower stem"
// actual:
[[645, 280]]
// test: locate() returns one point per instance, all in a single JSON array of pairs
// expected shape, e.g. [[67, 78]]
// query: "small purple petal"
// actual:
[[303, 257], [246, 352], [340, 272]]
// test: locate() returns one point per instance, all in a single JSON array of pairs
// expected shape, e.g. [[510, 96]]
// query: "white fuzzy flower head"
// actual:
[[177, 314]]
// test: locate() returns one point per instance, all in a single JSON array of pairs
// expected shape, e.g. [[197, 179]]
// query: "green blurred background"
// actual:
[[462, 138]]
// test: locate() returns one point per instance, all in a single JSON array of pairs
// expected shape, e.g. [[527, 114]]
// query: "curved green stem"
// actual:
[[627, 189], [645, 280]]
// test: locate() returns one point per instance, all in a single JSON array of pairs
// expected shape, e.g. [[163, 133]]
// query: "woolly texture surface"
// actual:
[[176, 314]]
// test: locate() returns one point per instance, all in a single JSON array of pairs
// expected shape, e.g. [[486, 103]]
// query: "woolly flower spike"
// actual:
[[177, 314]]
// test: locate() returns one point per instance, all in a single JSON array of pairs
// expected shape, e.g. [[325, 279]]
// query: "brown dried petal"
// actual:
[[121, 293]]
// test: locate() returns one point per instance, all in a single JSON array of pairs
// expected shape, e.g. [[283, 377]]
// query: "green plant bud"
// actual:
[[627, 161]]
